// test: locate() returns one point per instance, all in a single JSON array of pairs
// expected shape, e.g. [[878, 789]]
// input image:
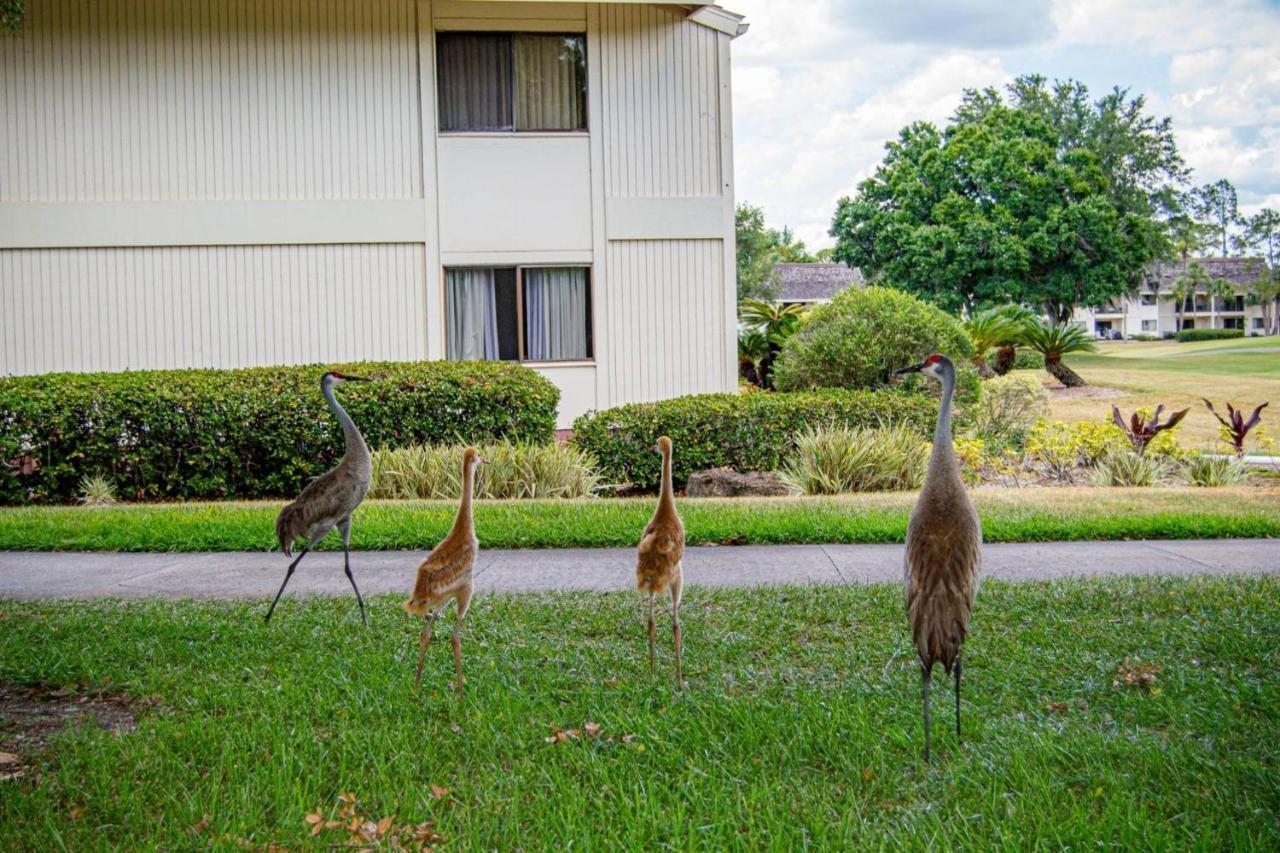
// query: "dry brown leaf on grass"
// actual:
[[592, 729], [438, 792], [1134, 673], [202, 824], [9, 758]]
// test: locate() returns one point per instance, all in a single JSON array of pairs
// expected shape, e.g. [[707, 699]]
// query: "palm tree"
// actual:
[[753, 347], [1007, 352], [1192, 280], [777, 322], [1053, 341], [990, 329]]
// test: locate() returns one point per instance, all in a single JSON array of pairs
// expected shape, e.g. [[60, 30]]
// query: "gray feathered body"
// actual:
[[329, 499], [944, 553]]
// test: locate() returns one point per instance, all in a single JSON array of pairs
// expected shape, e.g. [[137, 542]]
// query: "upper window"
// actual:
[[518, 313], [511, 81]]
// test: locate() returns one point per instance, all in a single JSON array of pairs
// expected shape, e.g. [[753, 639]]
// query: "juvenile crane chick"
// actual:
[[658, 558]]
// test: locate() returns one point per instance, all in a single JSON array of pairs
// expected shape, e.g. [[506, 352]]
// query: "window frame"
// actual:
[[515, 131], [520, 331]]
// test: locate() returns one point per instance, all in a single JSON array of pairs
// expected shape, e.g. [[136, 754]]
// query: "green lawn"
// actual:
[[1008, 515], [1244, 372], [801, 726]]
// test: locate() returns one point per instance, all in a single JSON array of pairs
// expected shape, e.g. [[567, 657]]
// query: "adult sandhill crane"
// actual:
[[944, 551], [329, 499], [658, 558], [446, 573]]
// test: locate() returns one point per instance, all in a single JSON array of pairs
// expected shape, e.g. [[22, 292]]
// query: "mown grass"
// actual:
[[801, 726], [1008, 515], [1245, 372]]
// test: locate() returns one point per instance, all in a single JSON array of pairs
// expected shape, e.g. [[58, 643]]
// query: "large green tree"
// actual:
[[759, 248], [1038, 195]]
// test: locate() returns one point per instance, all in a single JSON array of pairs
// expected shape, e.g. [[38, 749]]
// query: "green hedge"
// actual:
[[261, 432], [746, 432], [1187, 335], [1028, 359]]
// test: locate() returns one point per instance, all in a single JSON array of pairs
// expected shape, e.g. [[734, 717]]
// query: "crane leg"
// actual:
[[653, 633], [422, 648], [288, 574], [926, 674], [457, 653], [346, 567], [957, 696], [676, 633]]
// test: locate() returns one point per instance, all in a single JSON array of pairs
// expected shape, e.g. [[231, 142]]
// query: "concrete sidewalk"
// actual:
[[258, 575]]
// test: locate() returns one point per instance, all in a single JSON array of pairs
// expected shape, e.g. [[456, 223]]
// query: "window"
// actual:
[[518, 313], [1148, 325], [511, 82], [1148, 299], [1188, 324], [1233, 322], [1257, 322]]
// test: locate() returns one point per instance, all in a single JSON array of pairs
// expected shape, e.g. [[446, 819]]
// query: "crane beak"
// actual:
[[914, 368], [357, 379]]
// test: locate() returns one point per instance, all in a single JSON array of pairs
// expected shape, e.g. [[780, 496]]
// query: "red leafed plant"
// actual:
[[1142, 430], [1236, 425]]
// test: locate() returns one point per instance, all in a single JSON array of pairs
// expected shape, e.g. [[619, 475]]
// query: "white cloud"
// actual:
[[819, 87]]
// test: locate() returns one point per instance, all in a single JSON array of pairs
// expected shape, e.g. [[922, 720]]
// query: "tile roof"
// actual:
[[807, 282], [1241, 271]]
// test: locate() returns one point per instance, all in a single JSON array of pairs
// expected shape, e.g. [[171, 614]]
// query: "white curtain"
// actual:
[[472, 321], [551, 88], [555, 307]]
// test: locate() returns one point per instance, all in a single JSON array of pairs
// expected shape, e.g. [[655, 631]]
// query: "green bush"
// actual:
[[746, 432], [261, 432], [859, 338], [511, 470], [1188, 335], [840, 460], [1010, 406], [1028, 359]]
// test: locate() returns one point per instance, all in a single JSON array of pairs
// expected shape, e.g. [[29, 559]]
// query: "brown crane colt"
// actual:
[[446, 573], [329, 499], [944, 551], [658, 557]]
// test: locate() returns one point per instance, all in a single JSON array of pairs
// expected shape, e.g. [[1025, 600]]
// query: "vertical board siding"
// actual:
[[232, 306], [661, 101], [210, 99], [664, 330]]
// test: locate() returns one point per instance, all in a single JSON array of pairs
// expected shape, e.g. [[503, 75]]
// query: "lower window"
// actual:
[[518, 313], [1148, 325]]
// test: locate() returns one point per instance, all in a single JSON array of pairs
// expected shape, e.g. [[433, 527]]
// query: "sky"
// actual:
[[819, 86]]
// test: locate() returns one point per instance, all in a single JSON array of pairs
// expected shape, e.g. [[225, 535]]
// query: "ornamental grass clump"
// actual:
[[1130, 468], [1214, 471], [840, 460], [511, 470]]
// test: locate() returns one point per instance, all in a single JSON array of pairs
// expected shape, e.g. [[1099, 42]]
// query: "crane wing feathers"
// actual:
[[941, 581]]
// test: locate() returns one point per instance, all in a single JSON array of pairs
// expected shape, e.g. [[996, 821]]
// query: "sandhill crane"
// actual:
[[328, 500], [446, 573], [944, 551], [658, 558]]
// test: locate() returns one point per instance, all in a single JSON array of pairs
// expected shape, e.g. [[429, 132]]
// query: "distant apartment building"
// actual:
[[1154, 310]]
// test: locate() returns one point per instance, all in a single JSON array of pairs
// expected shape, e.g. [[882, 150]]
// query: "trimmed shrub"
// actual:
[[1028, 359], [859, 338], [510, 471], [840, 460], [746, 432], [261, 432], [1010, 406], [1188, 335]]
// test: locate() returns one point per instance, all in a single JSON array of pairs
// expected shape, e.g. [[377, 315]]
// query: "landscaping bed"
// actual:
[[1008, 515], [1137, 713]]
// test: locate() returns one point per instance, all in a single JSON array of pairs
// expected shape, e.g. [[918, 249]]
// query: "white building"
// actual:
[[226, 183], [1155, 311]]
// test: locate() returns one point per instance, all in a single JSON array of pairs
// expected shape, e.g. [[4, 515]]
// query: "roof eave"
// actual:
[[722, 20]]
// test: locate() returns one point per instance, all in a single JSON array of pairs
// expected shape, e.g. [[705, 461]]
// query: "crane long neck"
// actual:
[[666, 498], [355, 445], [943, 452], [463, 523]]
